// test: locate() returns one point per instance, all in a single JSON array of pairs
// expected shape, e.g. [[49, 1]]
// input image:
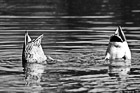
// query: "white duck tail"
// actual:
[[120, 33]]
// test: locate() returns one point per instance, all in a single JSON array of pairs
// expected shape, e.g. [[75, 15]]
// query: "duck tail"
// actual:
[[120, 32], [27, 38]]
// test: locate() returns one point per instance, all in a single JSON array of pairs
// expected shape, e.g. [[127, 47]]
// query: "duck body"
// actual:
[[118, 50], [32, 51], [118, 47]]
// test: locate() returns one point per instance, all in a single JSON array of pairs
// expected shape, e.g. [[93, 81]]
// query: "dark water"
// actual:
[[77, 32]]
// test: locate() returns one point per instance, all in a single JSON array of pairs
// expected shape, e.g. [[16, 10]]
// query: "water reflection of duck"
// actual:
[[33, 74], [118, 47], [119, 68]]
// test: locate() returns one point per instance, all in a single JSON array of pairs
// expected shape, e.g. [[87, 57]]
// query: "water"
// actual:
[[77, 32]]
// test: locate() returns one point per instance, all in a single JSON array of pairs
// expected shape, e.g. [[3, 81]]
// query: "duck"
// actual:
[[32, 51], [118, 47]]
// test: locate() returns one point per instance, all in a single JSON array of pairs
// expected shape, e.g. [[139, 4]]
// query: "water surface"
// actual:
[[77, 32]]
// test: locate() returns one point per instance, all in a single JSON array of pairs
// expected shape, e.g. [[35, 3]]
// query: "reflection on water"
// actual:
[[76, 32], [33, 74], [120, 69]]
